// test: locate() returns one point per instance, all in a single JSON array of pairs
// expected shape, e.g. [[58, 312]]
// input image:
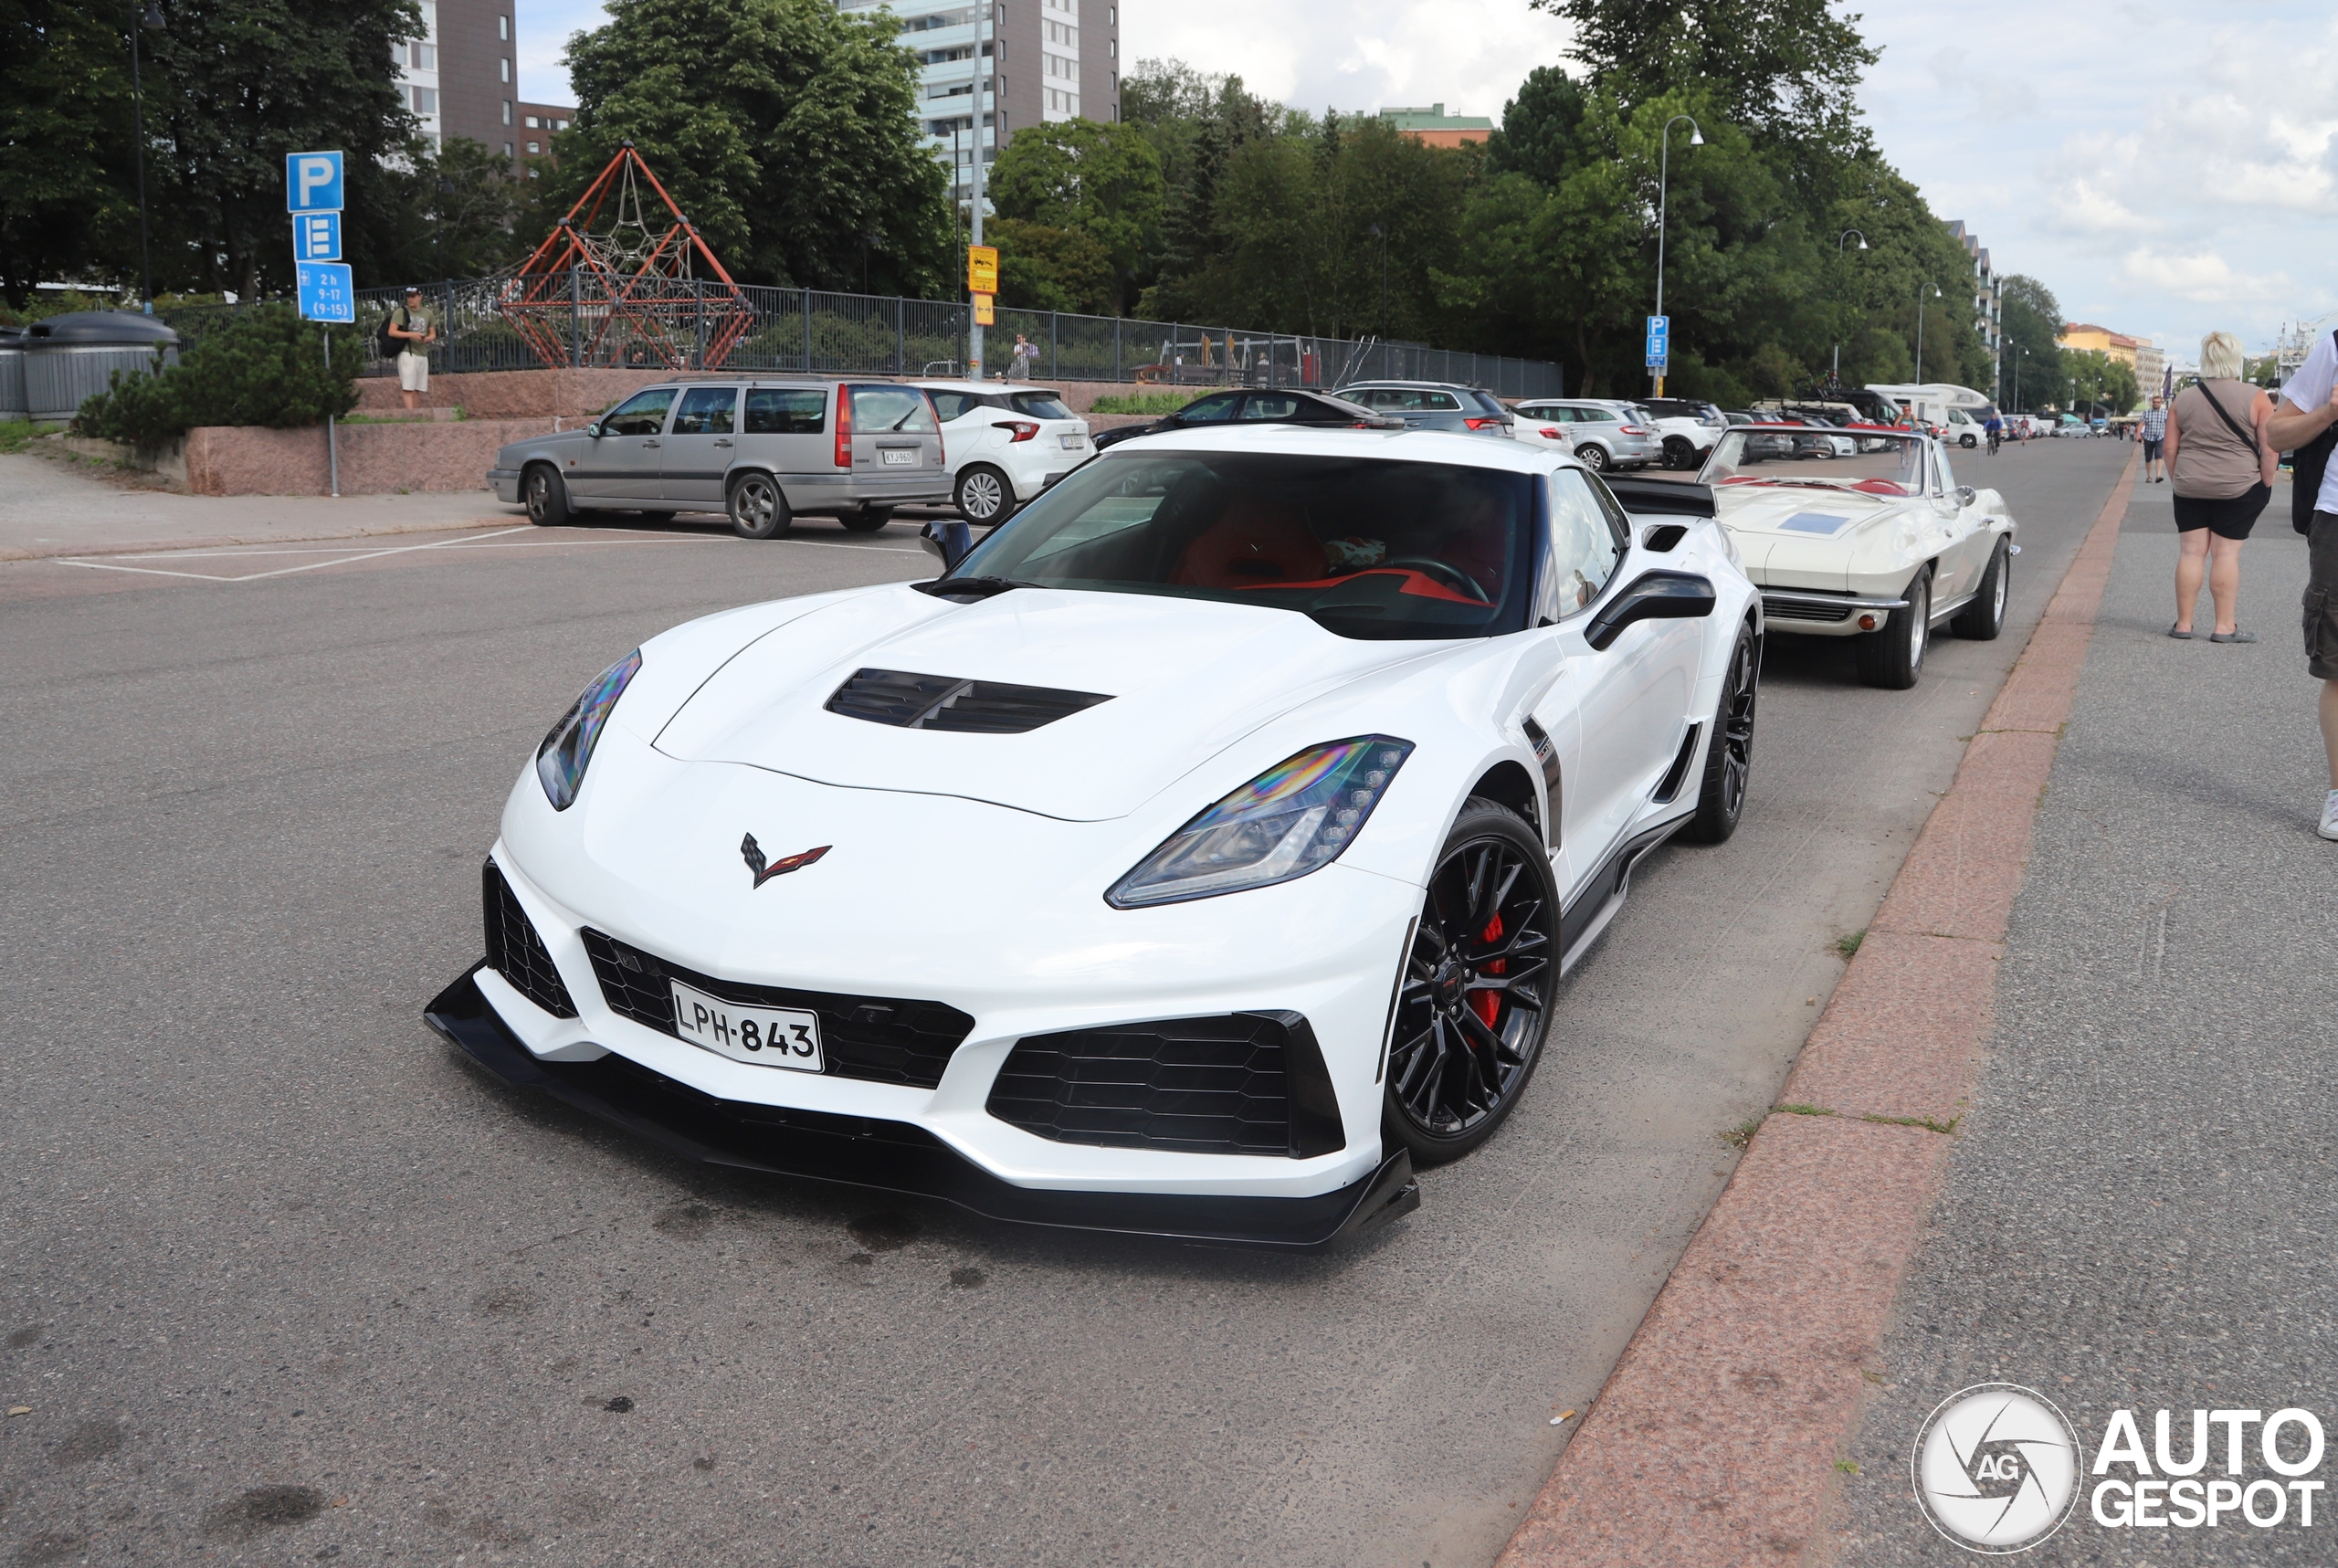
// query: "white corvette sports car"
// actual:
[[1194, 855], [1874, 540]]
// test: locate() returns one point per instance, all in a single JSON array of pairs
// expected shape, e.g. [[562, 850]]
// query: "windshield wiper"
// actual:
[[976, 587]]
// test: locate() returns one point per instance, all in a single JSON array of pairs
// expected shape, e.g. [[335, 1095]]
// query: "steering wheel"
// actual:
[[1453, 576]]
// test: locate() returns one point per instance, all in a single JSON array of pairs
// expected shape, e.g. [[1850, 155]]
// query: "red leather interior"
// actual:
[[1251, 542]]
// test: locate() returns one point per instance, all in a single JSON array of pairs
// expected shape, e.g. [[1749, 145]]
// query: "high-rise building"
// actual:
[[1030, 61], [462, 78], [1988, 301]]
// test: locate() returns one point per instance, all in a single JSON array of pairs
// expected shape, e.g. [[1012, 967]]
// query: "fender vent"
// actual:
[[1670, 788], [946, 703]]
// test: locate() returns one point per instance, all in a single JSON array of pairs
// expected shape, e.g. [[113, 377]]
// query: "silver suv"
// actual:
[[1604, 435], [761, 450], [1435, 406]]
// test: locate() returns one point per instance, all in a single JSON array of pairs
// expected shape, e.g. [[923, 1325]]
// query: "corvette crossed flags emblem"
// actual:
[[753, 853]]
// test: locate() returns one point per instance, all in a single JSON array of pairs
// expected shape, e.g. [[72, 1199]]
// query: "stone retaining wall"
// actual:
[[375, 459]]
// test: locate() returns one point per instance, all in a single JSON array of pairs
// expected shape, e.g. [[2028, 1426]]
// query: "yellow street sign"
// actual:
[[984, 315], [982, 269]]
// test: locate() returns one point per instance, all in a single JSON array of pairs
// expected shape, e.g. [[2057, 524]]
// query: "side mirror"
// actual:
[[1655, 596], [1964, 495], [947, 540], [593, 429]]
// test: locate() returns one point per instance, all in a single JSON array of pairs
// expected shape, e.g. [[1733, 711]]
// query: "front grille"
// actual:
[[1221, 1085], [946, 703], [1790, 610], [515, 951], [880, 1039]]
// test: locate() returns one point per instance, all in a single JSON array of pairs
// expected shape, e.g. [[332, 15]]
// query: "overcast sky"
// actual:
[[2167, 169]]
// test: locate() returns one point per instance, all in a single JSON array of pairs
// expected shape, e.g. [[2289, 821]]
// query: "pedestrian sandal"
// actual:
[[2234, 635]]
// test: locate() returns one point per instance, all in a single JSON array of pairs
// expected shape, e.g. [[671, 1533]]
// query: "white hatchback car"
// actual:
[[1005, 444]]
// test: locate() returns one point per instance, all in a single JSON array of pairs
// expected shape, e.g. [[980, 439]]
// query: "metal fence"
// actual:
[[810, 330]]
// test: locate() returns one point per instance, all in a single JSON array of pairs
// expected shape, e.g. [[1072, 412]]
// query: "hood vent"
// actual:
[[944, 702]]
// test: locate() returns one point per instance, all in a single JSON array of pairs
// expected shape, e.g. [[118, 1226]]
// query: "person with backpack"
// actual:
[[2222, 469], [408, 331], [2305, 424]]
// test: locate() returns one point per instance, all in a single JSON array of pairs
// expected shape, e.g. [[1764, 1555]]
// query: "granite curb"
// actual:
[[1716, 1440], [229, 541]]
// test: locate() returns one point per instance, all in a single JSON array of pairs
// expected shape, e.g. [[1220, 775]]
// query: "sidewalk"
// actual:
[[2140, 1208], [49, 508]]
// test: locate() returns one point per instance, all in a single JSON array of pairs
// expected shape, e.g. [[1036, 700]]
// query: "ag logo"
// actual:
[[1996, 1469]]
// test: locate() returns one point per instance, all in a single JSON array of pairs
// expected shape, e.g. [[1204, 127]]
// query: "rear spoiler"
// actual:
[[1680, 499]]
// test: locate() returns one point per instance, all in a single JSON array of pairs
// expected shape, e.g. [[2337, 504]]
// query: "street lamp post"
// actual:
[[1919, 326], [1663, 194], [151, 17], [1835, 376]]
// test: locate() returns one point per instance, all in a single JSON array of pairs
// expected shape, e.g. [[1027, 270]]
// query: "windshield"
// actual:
[[1879, 463], [1367, 548]]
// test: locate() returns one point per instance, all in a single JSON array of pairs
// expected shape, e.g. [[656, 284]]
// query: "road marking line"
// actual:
[[280, 570]]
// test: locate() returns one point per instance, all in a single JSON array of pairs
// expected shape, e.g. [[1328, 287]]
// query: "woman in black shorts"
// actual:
[[2223, 473]]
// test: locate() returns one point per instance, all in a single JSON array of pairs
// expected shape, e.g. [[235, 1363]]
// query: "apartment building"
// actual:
[[988, 67], [460, 78], [1432, 126], [1988, 302]]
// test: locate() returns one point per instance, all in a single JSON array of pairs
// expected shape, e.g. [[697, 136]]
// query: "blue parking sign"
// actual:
[[312, 182], [326, 292], [1660, 333], [316, 236]]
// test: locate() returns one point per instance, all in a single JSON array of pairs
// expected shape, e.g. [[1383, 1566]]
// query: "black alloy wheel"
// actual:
[[1985, 617], [546, 497], [1474, 1003], [1729, 759], [984, 497], [1893, 655], [758, 508], [1678, 453]]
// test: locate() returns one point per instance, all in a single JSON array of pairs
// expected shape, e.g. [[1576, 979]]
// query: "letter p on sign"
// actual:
[[312, 181]]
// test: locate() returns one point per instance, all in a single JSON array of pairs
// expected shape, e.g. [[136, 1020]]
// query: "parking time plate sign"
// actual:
[[327, 294], [760, 1036]]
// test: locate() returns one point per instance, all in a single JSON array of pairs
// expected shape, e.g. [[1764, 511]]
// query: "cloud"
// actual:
[[2205, 277]]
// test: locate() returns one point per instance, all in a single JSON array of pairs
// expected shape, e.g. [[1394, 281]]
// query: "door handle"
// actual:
[[725, 442], [650, 443]]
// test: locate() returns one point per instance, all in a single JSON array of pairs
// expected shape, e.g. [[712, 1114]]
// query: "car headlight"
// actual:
[[1293, 818], [562, 760]]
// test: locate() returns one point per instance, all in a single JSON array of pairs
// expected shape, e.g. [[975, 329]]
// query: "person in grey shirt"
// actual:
[[2309, 405], [2154, 431]]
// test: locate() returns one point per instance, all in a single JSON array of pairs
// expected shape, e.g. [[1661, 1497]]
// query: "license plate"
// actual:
[[763, 1037], [1073, 443], [896, 457]]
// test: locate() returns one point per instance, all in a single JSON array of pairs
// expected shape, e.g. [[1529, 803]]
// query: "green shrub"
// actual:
[[266, 367], [1154, 403]]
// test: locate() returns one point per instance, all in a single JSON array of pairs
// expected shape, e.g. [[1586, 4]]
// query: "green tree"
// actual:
[[1104, 182], [1196, 123], [234, 86], [65, 142], [1537, 137], [267, 366], [1786, 69], [1044, 268], [2032, 321], [786, 129], [459, 208]]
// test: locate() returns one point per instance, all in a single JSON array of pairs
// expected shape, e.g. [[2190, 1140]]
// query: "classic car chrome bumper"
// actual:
[[1788, 605]]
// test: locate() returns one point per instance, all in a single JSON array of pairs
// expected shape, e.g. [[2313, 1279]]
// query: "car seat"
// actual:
[[1252, 543]]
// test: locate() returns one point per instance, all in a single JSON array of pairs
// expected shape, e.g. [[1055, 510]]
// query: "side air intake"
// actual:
[[946, 703]]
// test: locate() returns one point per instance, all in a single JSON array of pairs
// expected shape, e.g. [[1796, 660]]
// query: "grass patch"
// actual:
[[1848, 946], [15, 434], [1153, 403], [1848, 1466], [1739, 1136], [1926, 1122], [1802, 1111]]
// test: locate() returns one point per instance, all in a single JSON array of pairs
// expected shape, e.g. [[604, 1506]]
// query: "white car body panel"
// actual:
[[985, 435], [971, 869]]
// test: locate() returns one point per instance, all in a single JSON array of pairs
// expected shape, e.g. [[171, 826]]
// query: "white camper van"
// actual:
[[1956, 412]]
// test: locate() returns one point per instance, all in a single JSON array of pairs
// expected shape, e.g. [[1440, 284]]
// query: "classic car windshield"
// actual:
[[1366, 547], [1882, 464]]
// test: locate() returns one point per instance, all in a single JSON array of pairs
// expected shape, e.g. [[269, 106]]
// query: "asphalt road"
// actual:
[[2140, 1210], [284, 1280]]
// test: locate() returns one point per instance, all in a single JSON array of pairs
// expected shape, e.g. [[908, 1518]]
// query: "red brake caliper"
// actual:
[[1487, 1003]]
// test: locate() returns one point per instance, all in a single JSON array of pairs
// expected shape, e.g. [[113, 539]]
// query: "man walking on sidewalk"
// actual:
[[2153, 431], [2308, 406]]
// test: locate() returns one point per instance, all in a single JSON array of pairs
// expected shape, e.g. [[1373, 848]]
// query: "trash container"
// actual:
[[71, 358], [11, 375]]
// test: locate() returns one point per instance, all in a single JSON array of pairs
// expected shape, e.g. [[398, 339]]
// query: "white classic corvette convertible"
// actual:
[[1192, 859], [1869, 538]]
